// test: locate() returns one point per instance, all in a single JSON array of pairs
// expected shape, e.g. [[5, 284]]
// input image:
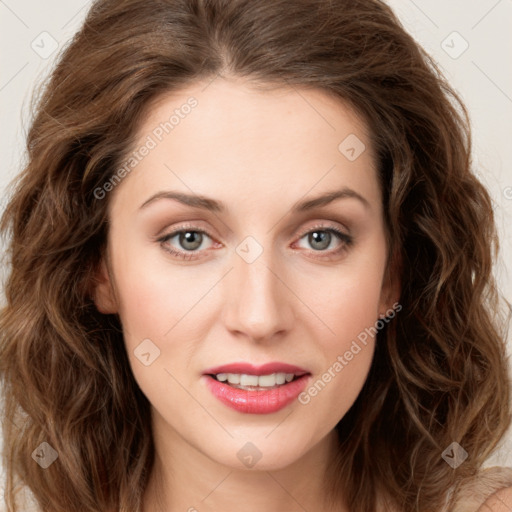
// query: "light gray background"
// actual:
[[32, 33]]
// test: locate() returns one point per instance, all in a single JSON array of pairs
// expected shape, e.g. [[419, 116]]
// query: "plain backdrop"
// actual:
[[470, 40]]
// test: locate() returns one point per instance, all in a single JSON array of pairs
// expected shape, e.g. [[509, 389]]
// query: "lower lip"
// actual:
[[257, 402]]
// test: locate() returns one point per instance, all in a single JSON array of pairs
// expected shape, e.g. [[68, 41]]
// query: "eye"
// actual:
[[321, 238], [189, 242]]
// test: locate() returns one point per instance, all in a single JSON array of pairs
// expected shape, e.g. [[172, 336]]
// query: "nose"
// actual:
[[259, 304]]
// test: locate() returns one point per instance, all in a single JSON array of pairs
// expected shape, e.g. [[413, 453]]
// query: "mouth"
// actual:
[[256, 390]]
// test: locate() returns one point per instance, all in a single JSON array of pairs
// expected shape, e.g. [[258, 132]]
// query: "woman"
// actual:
[[251, 268]]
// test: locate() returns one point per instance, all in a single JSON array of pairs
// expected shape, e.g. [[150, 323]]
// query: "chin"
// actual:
[[262, 452]]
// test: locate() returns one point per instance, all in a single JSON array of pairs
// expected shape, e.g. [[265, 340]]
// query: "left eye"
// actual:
[[320, 239]]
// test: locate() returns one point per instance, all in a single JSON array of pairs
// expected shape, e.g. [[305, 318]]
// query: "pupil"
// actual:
[[324, 237], [187, 240]]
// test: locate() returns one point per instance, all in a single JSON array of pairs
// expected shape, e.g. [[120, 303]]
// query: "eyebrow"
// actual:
[[207, 203]]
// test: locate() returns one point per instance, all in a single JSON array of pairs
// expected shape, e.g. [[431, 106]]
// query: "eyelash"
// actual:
[[347, 241]]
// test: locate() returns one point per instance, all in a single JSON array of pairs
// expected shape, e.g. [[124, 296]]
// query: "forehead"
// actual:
[[230, 140]]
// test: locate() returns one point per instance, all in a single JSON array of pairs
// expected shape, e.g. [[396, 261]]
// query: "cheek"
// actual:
[[153, 294], [347, 349], [350, 318], [349, 307], [347, 301]]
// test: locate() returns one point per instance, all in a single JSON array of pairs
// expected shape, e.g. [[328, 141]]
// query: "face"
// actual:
[[222, 260]]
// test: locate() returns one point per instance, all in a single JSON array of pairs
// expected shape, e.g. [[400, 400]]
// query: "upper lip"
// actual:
[[249, 369]]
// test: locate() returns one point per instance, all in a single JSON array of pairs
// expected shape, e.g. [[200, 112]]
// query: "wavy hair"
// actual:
[[439, 372]]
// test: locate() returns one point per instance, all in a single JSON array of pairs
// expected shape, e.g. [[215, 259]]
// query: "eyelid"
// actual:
[[181, 226], [325, 226]]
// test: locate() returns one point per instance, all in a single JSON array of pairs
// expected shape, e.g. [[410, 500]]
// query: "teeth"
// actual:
[[248, 380], [280, 378], [233, 378], [267, 380], [264, 381]]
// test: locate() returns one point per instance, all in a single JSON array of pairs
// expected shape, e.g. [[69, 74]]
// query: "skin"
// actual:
[[259, 152], [500, 501]]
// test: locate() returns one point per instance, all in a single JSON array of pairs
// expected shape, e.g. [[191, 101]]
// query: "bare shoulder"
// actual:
[[500, 501], [489, 491]]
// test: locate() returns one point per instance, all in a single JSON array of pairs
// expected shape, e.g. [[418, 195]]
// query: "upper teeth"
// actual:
[[255, 380]]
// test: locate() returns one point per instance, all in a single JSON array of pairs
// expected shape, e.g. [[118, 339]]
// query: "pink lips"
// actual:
[[257, 401]]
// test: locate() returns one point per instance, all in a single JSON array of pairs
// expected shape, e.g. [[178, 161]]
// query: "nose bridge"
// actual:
[[258, 303]]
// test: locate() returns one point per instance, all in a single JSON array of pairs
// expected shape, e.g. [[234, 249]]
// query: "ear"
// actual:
[[391, 288], [102, 291]]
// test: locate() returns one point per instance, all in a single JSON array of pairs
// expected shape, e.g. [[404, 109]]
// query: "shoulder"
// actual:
[[489, 491], [500, 501]]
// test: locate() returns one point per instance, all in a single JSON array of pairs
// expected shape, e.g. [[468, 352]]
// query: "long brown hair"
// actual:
[[439, 372]]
